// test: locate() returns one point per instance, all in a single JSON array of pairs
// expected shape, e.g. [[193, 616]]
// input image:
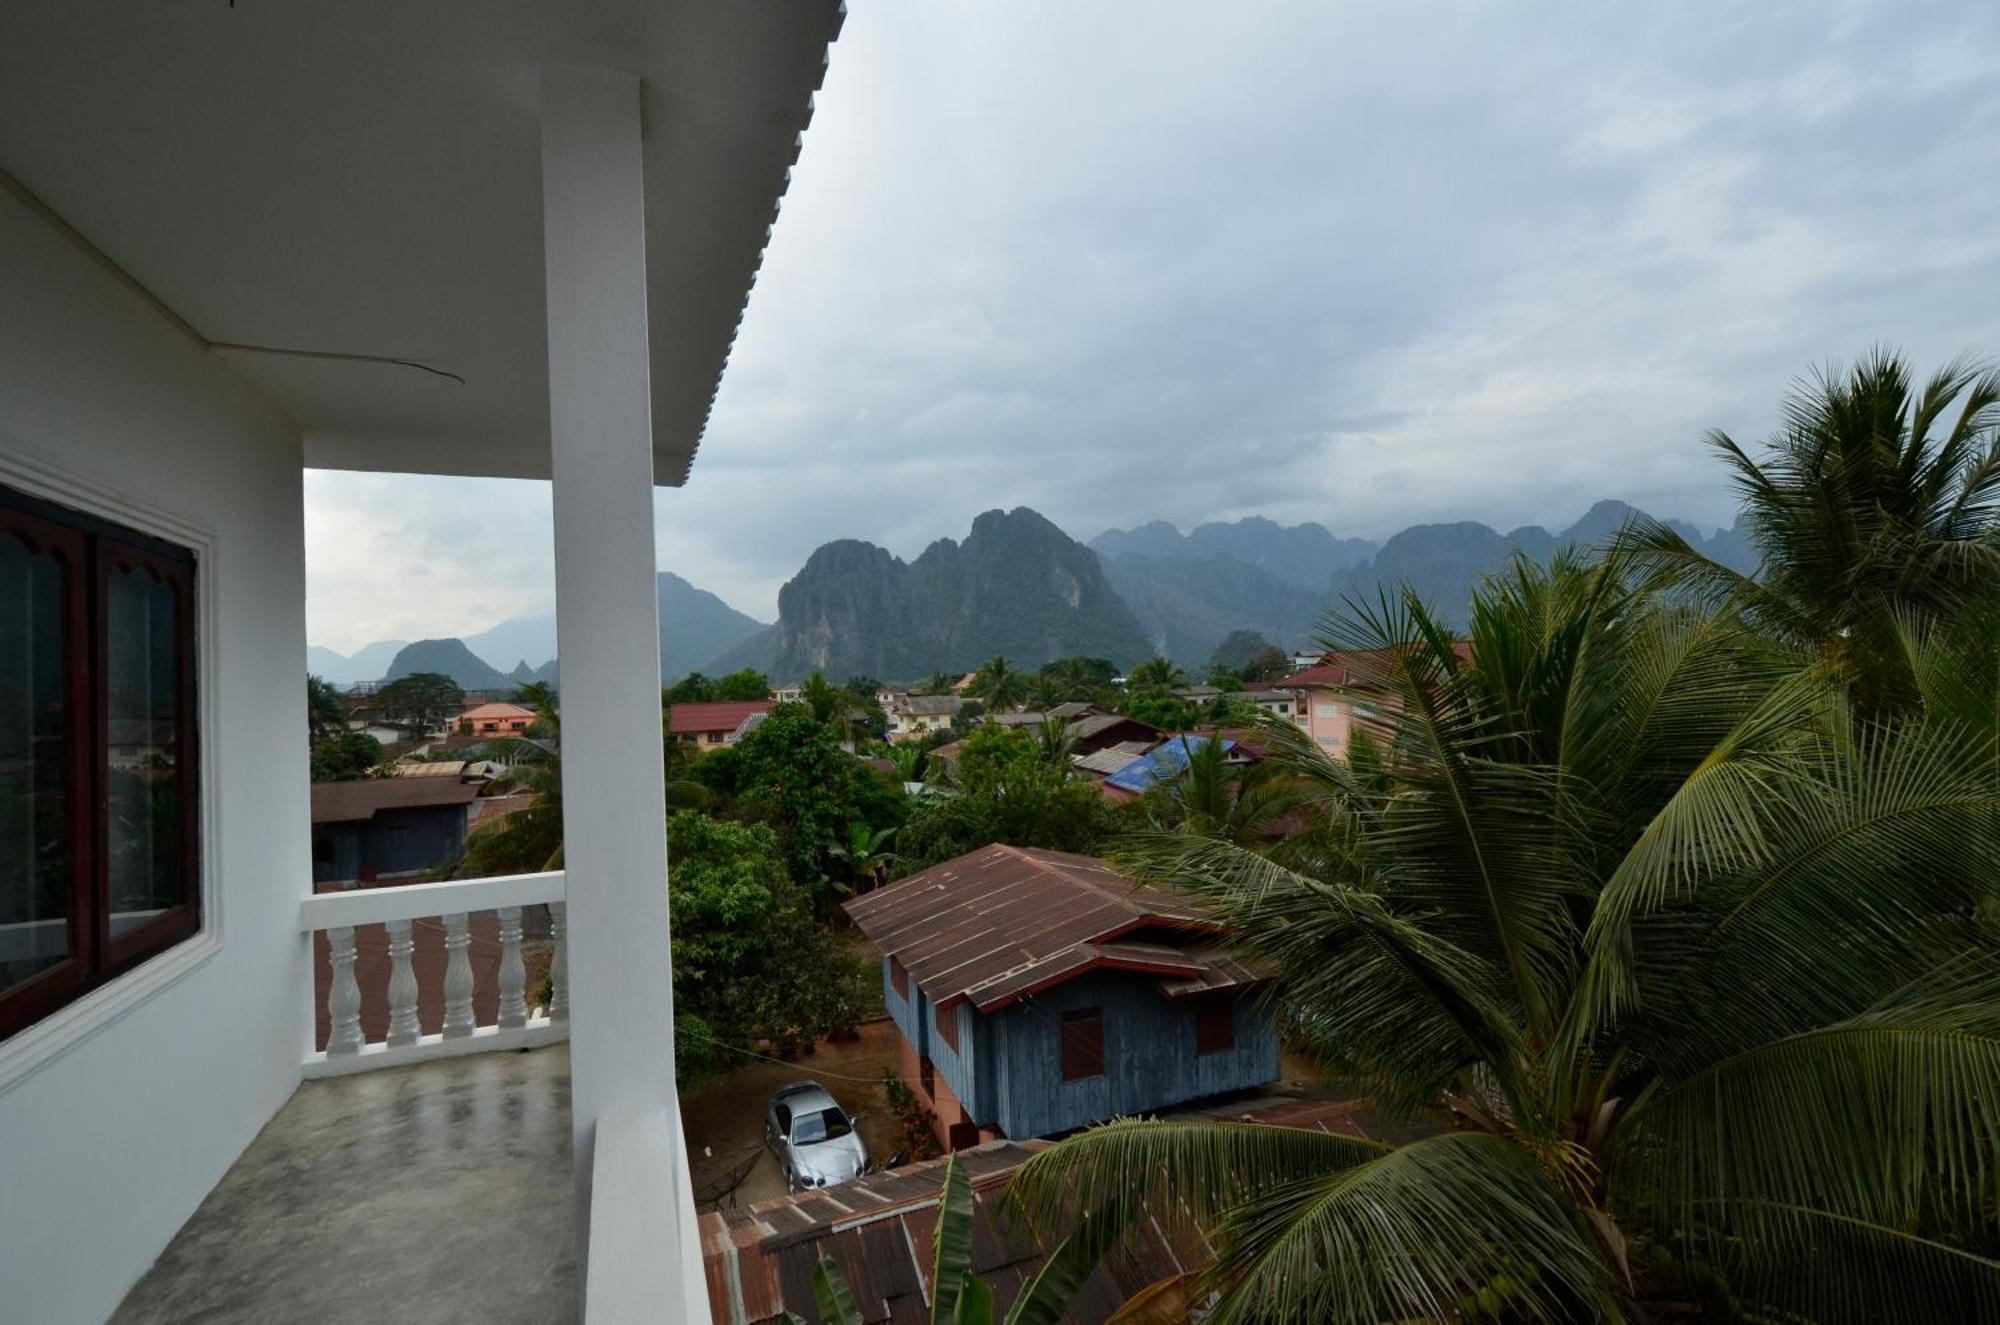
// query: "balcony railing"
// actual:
[[451, 906]]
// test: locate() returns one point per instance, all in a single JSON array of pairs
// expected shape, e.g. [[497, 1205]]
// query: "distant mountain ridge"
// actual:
[[695, 625], [1306, 555], [1188, 594], [1016, 586]]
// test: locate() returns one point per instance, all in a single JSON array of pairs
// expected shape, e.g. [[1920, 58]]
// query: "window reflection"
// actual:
[[34, 764], [142, 837]]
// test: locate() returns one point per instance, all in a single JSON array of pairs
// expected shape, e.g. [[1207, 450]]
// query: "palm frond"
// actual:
[[1413, 1234]]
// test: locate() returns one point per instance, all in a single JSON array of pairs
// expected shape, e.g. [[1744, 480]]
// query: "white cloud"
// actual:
[[1359, 263]]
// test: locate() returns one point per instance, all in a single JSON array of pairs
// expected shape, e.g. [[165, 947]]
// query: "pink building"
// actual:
[[1344, 688]]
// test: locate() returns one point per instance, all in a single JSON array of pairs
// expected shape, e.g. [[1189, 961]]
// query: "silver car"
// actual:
[[813, 1137]]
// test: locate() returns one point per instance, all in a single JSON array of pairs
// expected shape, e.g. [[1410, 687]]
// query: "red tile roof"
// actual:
[[724, 716], [1000, 923]]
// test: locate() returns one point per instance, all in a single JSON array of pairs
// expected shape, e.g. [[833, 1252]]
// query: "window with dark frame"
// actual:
[[98, 841], [947, 1024], [899, 976], [1215, 1025], [1082, 1044]]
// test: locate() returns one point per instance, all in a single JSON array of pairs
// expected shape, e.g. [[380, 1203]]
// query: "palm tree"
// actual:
[[866, 852], [1240, 803], [1873, 507], [326, 711], [1158, 673], [1682, 959], [999, 685], [912, 761], [828, 703], [937, 683], [1054, 744]]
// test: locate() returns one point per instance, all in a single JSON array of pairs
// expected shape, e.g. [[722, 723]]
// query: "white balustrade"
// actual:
[[458, 975], [513, 974], [343, 1000], [406, 914], [403, 1027]]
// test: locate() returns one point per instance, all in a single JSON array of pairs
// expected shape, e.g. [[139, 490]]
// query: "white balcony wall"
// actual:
[[107, 1146]]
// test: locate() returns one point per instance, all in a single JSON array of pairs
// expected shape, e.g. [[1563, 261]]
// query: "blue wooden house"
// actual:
[[1038, 992], [384, 828]]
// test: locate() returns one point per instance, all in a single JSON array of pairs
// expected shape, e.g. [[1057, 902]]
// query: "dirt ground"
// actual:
[[725, 1118]]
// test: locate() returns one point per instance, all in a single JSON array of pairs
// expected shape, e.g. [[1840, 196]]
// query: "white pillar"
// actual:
[[600, 419]]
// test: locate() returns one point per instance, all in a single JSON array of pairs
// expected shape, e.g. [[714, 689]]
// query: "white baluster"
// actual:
[[343, 996], [403, 1027], [513, 975], [559, 963], [457, 976]]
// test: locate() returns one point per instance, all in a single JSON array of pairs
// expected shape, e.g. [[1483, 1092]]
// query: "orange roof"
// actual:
[[486, 712]]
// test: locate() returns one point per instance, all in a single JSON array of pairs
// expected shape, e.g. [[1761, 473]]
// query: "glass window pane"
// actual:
[[34, 764], [142, 682]]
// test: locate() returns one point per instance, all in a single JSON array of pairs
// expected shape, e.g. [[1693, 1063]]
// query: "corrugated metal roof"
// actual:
[[1001, 922], [351, 802], [759, 1261], [1110, 760], [1163, 764]]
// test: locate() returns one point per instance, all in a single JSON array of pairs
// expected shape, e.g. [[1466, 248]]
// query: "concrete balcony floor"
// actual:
[[428, 1194]]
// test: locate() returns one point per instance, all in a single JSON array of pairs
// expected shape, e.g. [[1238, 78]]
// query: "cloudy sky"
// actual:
[[1364, 264]]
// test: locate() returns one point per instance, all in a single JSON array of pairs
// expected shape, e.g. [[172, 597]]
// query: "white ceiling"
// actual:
[[363, 177]]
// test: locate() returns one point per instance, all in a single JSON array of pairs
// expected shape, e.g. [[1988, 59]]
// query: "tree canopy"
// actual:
[[1683, 957], [421, 701]]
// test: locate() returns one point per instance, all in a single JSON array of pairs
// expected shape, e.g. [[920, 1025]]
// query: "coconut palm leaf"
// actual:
[[1413, 1234]]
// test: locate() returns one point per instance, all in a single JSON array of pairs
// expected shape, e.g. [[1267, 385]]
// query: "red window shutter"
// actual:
[[947, 1024], [899, 977], [1214, 1025], [1082, 1044]]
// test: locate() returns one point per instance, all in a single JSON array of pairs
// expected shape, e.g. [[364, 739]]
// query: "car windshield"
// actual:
[[822, 1126]]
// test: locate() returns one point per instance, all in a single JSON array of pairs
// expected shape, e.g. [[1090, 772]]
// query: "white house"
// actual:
[[480, 237]]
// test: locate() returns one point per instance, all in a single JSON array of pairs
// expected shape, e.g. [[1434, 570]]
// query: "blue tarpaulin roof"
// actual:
[[1161, 765]]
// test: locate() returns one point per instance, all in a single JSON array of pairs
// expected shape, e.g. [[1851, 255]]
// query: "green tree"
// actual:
[[1000, 685], [1164, 711], [1155, 674], [746, 684], [422, 701], [1271, 663], [743, 931], [1683, 959], [1237, 650], [1240, 803], [1007, 788], [828, 704], [345, 757], [866, 854], [1872, 510], [326, 711], [791, 774], [694, 688]]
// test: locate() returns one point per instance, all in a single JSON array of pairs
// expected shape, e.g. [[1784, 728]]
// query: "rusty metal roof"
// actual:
[[1003, 922], [759, 1261], [351, 802]]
